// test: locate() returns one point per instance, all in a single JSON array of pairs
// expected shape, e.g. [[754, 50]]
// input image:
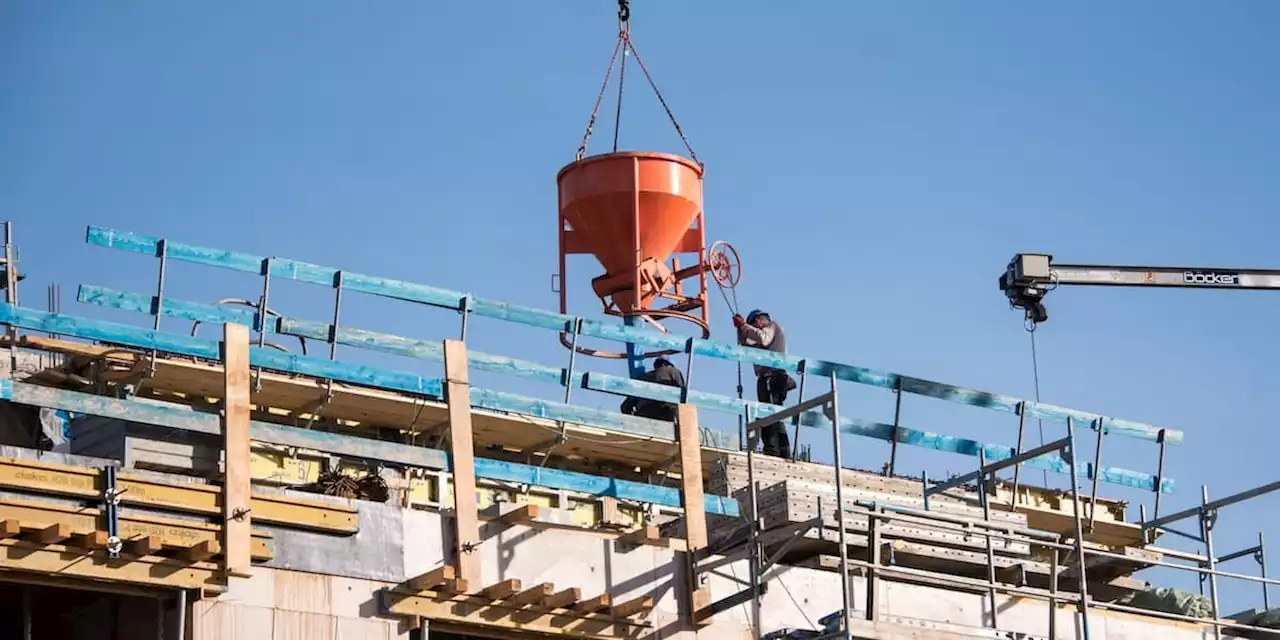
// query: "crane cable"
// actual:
[[730, 295], [1035, 372]]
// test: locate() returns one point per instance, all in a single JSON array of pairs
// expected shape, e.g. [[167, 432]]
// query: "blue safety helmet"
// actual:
[[755, 314]]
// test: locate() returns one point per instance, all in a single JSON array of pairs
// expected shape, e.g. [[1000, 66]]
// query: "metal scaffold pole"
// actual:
[[753, 531], [838, 463], [1083, 604]]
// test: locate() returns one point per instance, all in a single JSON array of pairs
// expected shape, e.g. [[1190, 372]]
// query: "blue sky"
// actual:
[[876, 165]]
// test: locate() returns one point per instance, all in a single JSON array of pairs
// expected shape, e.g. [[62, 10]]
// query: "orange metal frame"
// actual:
[[650, 277]]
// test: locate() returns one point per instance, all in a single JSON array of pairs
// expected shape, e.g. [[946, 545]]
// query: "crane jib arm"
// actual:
[[1030, 276], [1164, 277]]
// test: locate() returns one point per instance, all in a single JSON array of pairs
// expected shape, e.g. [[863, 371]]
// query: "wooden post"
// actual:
[[235, 446], [693, 501], [457, 394]]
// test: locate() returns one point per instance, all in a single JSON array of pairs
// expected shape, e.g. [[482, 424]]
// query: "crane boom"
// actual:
[[1030, 276]]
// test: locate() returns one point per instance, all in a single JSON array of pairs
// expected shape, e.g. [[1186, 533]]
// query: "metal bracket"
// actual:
[[111, 506]]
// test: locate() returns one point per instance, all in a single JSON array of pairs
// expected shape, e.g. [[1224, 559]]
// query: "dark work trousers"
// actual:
[[772, 388], [664, 411]]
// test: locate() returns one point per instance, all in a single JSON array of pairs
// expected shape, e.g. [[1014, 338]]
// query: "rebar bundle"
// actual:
[[370, 486]]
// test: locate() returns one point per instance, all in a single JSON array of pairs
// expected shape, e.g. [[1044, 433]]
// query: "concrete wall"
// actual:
[[797, 598], [323, 587], [291, 605]]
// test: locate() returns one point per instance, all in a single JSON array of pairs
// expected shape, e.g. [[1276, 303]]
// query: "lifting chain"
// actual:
[[623, 47]]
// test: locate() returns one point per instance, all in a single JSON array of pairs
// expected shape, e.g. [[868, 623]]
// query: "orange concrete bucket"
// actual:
[[628, 207]]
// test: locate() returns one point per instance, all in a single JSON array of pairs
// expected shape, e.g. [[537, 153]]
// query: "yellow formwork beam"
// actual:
[[173, 534], [435, 490], [84, 482]]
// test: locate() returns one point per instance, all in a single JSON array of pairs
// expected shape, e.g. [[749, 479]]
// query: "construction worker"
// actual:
[[760, 331], [663, 372]]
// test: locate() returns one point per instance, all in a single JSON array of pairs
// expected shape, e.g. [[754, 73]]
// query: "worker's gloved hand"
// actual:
[[738, 320]]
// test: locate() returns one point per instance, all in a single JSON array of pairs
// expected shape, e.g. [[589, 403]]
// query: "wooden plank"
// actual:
[[466, 521], [53, 534], [594, 604], [532, 595], [63, 561], [324, 276], [503, 616], [182, 417], [202, 551], [691, 492], [602, 382], [696, 596], [563, 599], [523, 514], [501, 590], [236, 492], [633, 607], [433, 578]]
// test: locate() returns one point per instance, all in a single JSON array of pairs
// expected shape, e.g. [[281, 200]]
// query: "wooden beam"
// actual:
[[93, 540], [532, 595], [236, 493], [466, 520], [521, 514], [696, 596], [144, 546], [10, 528], [501, 590], [456, 586], [647, 534], [502, 619], [562, 599], [53, 534], [201, 551], [592, 605], [433, 578], [632, 607], [85, 522], [29, 558]]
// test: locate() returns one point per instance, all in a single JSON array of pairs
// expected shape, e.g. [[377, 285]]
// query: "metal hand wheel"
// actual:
[[724, 265]]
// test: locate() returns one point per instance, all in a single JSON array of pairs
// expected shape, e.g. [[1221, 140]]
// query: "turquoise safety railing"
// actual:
[[466, 305]]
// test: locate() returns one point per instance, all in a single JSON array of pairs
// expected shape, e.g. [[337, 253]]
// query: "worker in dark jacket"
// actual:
[[663, 372], [760, 331]]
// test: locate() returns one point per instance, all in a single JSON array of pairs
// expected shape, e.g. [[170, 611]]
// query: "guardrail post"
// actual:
[[457, 394], [236, 494], [693, 501]]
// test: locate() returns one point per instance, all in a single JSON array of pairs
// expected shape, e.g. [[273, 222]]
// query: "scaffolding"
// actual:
[[1067, 549], [840, 624]]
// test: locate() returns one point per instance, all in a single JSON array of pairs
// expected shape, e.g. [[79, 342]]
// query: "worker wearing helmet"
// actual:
[[663, 372], [760, 331]]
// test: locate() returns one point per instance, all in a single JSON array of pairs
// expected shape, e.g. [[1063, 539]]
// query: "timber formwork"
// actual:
[[238, 413]]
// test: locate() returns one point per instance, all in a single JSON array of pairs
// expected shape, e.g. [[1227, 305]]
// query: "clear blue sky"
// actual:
[[876, 164]]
